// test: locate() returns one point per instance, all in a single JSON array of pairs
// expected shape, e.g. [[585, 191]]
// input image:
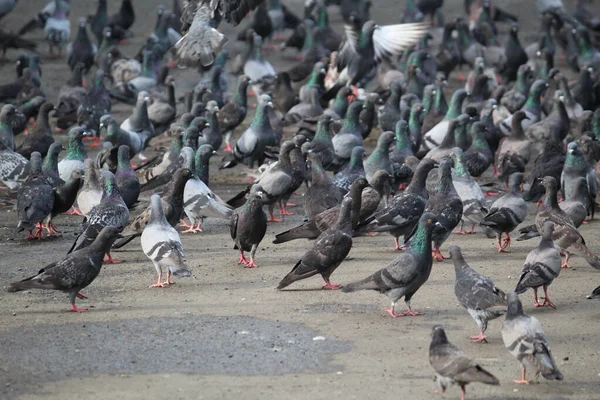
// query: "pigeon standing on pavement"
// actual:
[[162, 245], [74, 272], [478, 294], [452, 365], [406, 274], [328, 251], [248, 226], [542, 266], [524, 338]]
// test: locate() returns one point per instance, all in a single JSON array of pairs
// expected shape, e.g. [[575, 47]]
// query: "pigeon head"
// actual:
[[286, 147], [358, 185], [457, 258], [520, 116], [256, 196], [548, 230], [199, 123], [8, 110], [514, 30], [572, 148], [143, 97], [549, 184], [515, 181], [299, 140], [438, 336], [515, 308], [386, 139], [79, 132]]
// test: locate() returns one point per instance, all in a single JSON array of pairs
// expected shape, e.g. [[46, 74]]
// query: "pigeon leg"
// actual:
[[402, 186], [398, 247], [228, 148], [501, 248], [74, 212], [566, 263], [536, 302], [251, 263], [81, 296], [158, 283], [74, 308], [469, 232], [523, 380], [437, 254], [496, 171], [391, 310], [283, 210], [30, 236], [53, 227], [40, 229], [547, 299], [463, 393], [168, 281], [461, 230], [410, 312], [190, 228], [491, 194], [272, 217], [288, 204], [95, 142], [479, 338], [110, 260], [243, 259], [507, 241], [329, 286]]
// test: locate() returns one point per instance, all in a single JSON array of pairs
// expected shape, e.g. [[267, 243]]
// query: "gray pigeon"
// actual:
[[91, 192], [407, 273], [447, 207], [162, 245], [322, 194], [524, 338], [478, 294], [348, 137], [111, 211], [327, 253], [139, 122], [576, 167], [127, 180], [507, 212], [541, 267], [35, 199], [354, 170], [74, 272], [248, 226], [452, 365], [380, 157], [251, 145], [469, 192], [14, 168]]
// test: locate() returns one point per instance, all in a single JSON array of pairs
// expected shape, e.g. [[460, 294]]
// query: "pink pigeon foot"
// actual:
[[251, 264], [76, 309], [478, 338]]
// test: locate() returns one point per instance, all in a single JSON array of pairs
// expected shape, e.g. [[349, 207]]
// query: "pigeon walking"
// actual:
[[406, 274], [162, 245], [74, 272], [452, 365], [327, 253], [524, 338], [248, 226]]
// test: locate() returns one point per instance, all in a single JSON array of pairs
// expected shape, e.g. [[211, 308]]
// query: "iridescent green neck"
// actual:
[[241, 97], [459, 166], [455, 107], [323, 18], [260, 120], [445, 185], [351, 121], [420, 242], [403, 145], [76, 149]]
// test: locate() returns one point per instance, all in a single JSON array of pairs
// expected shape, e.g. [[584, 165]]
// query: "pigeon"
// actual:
[[469, 192], [435, 136], [406, 274], [96, 104], [212, 135], [542, 266], [76, 153], [251, 145], [565, 235], [125, 17], [389, 114], [452, 365], [354, 170], [172, 206], [576, 167], [127, 181], [532, 108], [402, 159], [327, 253], [162, 112], [233, 113], [200, 39], [40, 138], [322, 193], [379, 159], [121, 137], [248, 225], [446, 205], [14, 168], [576, 205], [404, 210], [479, 156], [507, 212], [74, 272], [57, 30], [139, 121], [70, 97], [199, 201], [35, 199], [162, 245], [91, 192], [257, 67], [478, 294], [327, 219], [64, 198], [524, 338], [348, 137], [149, 181], [81, 50], [111, 211]]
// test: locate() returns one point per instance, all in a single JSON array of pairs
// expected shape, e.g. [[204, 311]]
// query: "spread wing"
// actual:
[[391, 40]]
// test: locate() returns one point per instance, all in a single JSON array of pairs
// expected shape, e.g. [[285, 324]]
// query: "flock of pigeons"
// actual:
[[518, 114]]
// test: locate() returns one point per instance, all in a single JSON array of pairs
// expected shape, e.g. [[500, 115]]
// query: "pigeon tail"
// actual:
[[122, 242], [366, 284], [180, 272], [308, 230], [594, 261]]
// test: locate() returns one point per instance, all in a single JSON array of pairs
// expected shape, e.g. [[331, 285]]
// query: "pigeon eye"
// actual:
[[429, 221]]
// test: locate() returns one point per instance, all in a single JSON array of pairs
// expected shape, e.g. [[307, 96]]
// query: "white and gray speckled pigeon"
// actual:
[[257, 67], [406, 274], [452, 365], [74, 272], [199, 201], [478, 294], [328, 251], [35, 198], [524, 338], [507, 212], [91, 192], [162, 245], [469, 192], [542, 266], [14, 168]]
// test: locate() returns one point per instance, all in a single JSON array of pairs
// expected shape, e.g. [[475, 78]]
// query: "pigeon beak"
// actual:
[[119, 236], [88, 133], [214, 152], [270, 104]]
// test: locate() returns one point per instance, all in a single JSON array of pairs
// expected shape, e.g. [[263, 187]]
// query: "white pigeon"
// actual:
[[162, 245]]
